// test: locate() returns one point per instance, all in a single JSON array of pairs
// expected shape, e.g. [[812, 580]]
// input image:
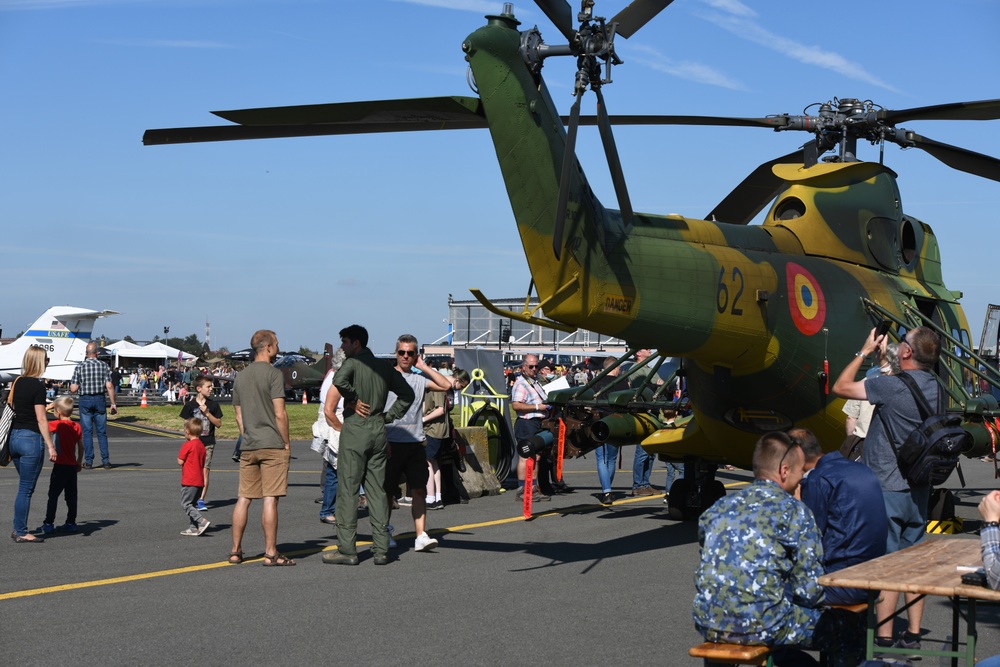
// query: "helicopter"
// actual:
[[761, 316], [301, 373]]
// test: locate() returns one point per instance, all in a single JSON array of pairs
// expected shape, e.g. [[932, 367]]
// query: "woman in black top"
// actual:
[[28, 431]]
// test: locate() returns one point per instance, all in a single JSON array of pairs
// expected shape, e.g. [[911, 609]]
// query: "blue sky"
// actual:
[[308, 235]]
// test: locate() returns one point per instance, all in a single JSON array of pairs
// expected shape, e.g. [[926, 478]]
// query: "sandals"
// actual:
[[277, 560], [235, 557]]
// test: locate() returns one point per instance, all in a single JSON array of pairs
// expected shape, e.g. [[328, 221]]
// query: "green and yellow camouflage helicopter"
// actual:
[[761, 315]]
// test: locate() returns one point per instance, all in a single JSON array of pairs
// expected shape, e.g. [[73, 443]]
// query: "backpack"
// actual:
[[930, 453]]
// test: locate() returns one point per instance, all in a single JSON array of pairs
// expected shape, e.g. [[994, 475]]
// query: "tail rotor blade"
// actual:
[[637, 14], [561, 15], [614, 163], [569, 159]]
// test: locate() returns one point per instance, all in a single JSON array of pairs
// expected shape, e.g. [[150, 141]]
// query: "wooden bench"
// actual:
[[738, 654], [732, 654]]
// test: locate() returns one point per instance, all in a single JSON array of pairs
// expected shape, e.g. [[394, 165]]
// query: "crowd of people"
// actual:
[[383, 425]]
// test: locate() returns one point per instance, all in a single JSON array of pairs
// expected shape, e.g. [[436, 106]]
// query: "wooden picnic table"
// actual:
[[929, 568]]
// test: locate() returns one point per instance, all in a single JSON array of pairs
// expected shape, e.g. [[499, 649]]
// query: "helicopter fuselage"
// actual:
[[762, 314]]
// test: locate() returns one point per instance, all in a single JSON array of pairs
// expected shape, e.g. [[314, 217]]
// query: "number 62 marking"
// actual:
[[722, 296]]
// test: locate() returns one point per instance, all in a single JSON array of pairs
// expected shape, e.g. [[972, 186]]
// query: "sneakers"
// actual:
[[644, 490], [68, 527], [536, 495], [190, 531], [107, 465], [202, 507], [436, 505], [406, 501], [203, 525], [48, 528], [88, 466], [607, 499], [910, 645], [392, 540], [425, 543]]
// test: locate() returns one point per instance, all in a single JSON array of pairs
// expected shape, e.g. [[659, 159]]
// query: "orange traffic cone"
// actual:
[[305, 397], [143, 404]]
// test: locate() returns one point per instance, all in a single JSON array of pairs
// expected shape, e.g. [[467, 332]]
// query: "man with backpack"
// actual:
[[896, 416]]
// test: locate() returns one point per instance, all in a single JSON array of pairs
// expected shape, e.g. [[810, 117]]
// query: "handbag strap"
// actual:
[[918, 397], [10, 394]]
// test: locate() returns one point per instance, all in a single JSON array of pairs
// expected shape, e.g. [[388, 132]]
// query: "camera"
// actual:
[[535, 444], [977, 578]]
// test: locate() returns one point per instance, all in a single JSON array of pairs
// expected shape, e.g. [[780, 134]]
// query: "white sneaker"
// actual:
[[405, 501], [191, 531], [425, 543], [392, 540]]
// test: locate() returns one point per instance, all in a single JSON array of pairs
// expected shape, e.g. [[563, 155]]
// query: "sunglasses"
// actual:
[[791, 445], [527, 366], [406, 353]]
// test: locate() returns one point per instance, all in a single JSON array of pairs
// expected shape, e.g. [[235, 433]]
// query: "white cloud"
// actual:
[[688, 70], [734, 7], [748, 29]]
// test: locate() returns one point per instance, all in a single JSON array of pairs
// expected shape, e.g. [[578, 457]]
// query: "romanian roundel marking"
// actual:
[[806, 301]]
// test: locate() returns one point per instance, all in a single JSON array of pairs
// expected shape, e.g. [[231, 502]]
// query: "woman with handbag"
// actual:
[[29, 430]]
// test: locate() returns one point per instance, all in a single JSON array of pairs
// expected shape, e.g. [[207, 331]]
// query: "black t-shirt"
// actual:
[[192, 409], [28, 393]]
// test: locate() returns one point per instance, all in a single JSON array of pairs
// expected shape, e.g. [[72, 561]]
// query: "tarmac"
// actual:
[[578, 584]]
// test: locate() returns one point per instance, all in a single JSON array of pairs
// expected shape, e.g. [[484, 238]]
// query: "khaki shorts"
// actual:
[[264, 473], [209, 450]]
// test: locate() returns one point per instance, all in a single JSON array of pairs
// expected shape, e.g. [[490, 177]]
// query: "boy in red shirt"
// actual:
[[66, 434], [192, 459]]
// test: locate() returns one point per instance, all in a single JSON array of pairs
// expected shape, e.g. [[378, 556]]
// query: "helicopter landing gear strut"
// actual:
[[691, 496]]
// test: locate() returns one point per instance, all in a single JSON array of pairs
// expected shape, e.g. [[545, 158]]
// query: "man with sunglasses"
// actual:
[[896, 416], [527, 400], [365, 383], [760, 558], [407, 456]]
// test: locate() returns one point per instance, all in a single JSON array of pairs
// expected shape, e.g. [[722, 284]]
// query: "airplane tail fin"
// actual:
[[63, 332]]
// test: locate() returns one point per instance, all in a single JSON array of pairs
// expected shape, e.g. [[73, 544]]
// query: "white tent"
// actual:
[[158, 351]]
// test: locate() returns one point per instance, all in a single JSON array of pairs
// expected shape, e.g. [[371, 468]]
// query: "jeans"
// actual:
[[329, 506], [607, 461], [674, 471], [26, 449], [93, 413], [642, 466]]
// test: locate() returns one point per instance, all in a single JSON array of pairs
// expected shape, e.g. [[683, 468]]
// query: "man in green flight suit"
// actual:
[[365, 383]]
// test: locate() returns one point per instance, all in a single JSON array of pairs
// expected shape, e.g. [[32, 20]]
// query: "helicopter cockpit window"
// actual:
[[790, 209]]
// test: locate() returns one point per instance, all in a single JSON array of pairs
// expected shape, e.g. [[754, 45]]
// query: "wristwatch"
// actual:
[[861, 354]]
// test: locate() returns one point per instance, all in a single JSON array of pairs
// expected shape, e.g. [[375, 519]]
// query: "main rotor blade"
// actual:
[[770, 122], [569, 159], [755, 191], [614, 163], [981, 110], [959, 158], [636, 15], [561, 15], [429, 113]]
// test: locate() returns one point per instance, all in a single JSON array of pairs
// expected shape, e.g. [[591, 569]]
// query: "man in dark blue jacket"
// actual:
[[846, 501]]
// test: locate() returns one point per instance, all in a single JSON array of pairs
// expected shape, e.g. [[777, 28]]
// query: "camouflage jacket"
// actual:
[[760, 556]]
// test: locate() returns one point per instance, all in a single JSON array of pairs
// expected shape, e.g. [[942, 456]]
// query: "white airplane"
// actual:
[[63, 332]]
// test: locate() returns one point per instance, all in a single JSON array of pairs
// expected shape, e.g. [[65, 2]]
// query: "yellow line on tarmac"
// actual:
[[212, 566], [147, 431]]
